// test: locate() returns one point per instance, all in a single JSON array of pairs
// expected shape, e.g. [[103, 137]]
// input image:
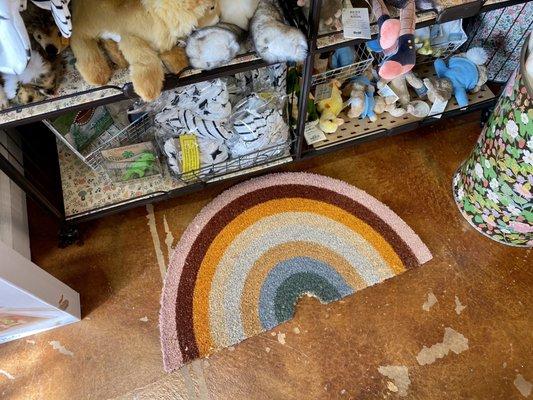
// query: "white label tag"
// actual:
[[386, 91], [323, 91], [356, 23], [313, 134], [438, 108]]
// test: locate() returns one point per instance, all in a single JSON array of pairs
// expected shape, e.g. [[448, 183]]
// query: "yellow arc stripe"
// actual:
[[250, 216]]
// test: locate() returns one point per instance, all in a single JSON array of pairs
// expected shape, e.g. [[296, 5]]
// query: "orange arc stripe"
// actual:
[[249, 217]]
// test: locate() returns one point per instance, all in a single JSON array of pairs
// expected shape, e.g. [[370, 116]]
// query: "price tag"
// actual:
[[190, 153], [313, 134], [356, 23], [438, 108], [323, 91], [386, 92]]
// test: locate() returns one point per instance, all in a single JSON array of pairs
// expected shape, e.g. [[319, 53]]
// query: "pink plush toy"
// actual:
[[396, 37]]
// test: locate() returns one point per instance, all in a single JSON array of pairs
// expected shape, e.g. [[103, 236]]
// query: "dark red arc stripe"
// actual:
[[184, 301]]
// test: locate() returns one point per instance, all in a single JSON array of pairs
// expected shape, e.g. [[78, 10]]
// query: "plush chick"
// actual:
[[426, 49], [329, 109]]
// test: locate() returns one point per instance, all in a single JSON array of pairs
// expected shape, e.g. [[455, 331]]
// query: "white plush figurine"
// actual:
[[274, 41], [214, 46], [36, 69], [238, 12]]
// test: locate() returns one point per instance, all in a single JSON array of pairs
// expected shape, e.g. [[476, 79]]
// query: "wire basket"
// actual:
[[255, 159], [141, 130], [363, 59], [443, 51]]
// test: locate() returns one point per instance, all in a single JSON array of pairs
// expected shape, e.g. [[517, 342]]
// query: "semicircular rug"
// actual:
[[243, 263]]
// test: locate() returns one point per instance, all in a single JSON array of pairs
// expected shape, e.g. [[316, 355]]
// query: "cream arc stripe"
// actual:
[[276, 228]]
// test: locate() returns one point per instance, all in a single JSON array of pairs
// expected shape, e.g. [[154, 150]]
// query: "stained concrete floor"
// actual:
[[474, 298]]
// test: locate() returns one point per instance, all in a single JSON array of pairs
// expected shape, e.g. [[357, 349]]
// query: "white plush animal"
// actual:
[[35, 68], [214, 46], [275, 41], [238, 12]]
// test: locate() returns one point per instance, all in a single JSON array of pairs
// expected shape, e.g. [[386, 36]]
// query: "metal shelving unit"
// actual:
[[78, 95]]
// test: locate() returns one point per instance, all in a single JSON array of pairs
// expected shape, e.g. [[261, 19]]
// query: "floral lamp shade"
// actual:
[[493, 187]]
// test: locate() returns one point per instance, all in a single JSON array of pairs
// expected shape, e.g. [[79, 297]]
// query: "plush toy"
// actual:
[[35, 83], [399, 86], [330, 108], [438, 89], [140, 167], [381, 106], [321, 63], [418, 109], [267, 27], [361, 100], [45, 35], [15, 43], [396, 37], [330, 14], [147, 32], [465, 71], [214, 46], [342, 57], [238, 12]]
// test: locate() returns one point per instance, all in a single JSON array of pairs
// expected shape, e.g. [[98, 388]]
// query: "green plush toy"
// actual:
[[140, 167]]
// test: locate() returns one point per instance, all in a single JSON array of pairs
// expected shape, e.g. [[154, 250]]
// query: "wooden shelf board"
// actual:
[[356, 128]]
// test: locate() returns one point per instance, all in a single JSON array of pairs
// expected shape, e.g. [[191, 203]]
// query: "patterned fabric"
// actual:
[[253, 252], [207, 100], [184, 121], [493, 188], [501, 32]]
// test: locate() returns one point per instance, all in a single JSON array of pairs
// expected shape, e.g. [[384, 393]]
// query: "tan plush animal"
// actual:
[[146, 31]]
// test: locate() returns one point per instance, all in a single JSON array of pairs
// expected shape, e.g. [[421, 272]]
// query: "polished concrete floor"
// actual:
[[459, 327]]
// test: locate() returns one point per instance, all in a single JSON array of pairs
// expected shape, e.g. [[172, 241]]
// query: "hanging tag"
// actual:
[[313, 134], [190, 153], [356, 23], [323, 91], [438, 108], [386, 91]]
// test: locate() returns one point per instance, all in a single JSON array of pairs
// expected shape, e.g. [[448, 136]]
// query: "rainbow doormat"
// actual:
[[243, 263]]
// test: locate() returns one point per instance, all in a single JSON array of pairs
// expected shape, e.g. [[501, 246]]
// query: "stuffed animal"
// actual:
[[361, 100], [438, 89], [15, 43], [465, 71], [330, 14], [35, 83], [213, 47], [267, 27], [396, 37], [43, 32], [417, 108], [381, 106], [329, 109], [342, 57], [147, 32], [238, 12]]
